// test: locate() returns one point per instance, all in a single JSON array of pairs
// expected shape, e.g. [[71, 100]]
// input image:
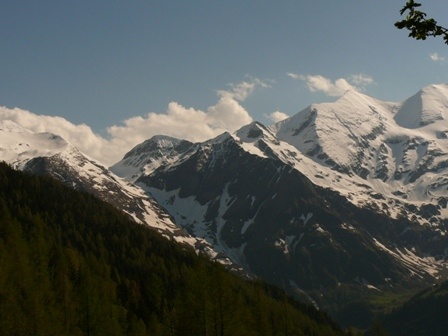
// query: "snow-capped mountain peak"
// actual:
[[334, 134], [149, 155], [360, 135], [49, 154], [12, 127], [341, 176], [251, 131], [255, 137], [341, 191], [426, 107], [19, 145]]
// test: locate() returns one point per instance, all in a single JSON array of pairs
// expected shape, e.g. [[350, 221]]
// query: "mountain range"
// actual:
[[348, 193], [49, 154]]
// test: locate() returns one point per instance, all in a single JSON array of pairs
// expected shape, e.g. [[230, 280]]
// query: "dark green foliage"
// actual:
[[73, 265], [419, 26], [423, 314]]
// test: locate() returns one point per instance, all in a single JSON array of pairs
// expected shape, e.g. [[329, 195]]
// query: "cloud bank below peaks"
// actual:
[[319, 83], [178, 121]]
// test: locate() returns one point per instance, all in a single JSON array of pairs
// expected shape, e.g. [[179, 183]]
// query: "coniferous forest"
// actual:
[[73, 265], [424, 314]]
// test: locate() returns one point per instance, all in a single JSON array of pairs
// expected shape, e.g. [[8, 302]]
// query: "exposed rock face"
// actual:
[[342, 192], [350, 192]]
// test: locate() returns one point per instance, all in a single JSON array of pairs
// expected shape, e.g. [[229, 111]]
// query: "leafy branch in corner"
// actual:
[[419, 26]]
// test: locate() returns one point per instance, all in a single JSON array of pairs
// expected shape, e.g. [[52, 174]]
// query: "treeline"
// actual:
[[73, 265], [424, 314]]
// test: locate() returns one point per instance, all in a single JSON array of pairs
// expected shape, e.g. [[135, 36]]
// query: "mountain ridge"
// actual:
[[340, 194], [353, 147], [49, 154], [74, 265]]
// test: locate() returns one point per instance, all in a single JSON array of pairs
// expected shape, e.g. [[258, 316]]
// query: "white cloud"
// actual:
[[227, 115], [81, 136], [293, 75], [242, 90], [277, 116], [188, 123], [436, 57], [178, 121], [318, 83], [360, 80]]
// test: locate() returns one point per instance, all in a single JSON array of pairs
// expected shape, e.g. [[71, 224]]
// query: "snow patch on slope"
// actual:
[[189, 214], [414, 263]]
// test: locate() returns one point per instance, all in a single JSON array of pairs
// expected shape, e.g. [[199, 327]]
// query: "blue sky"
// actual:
[[117, 66]]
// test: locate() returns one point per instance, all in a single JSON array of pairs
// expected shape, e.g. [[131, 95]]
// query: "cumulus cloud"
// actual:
[[436, 57], [318, 83], [277, 116], [191, 124], [241, 91], [178, 121]]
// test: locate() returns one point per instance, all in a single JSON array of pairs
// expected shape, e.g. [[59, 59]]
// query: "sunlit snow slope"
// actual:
[[397, 150], [353, 191], [45, 153]]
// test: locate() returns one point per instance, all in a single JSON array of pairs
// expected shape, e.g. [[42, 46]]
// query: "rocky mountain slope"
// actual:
[[49, 154], [399, 150], [350, 192]]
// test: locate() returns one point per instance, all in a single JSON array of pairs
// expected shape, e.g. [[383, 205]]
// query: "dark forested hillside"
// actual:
[[73, 265], [424, 314]]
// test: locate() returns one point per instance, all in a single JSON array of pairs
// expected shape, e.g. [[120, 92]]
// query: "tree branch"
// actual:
[[420, 28]]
